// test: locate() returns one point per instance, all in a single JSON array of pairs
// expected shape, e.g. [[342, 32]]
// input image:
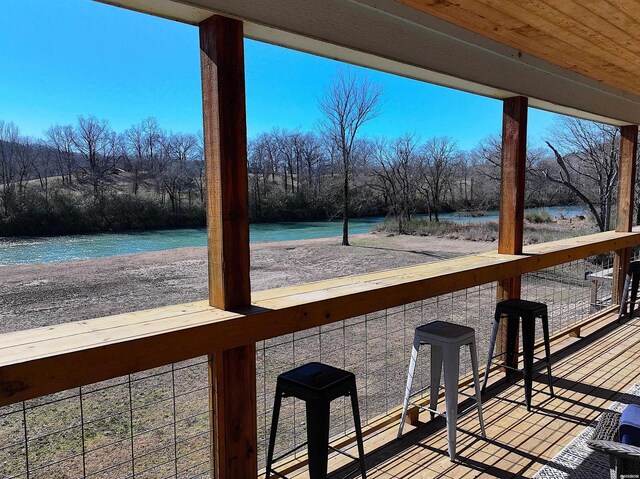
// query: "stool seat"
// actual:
[[521, 308], [316, 381], [444, 332]]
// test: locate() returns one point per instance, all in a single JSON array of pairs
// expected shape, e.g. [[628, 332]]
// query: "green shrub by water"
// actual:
[[538, 217], [65, 213]]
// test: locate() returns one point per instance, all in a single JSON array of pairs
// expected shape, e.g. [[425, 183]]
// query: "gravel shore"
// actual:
[[38, 295]]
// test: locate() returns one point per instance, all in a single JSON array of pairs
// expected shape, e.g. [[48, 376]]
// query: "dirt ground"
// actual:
[[43, 294]]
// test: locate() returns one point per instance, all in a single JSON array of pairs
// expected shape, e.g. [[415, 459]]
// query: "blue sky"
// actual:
[[65, 58]]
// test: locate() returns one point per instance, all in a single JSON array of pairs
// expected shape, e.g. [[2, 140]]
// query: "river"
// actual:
[[67, 248]]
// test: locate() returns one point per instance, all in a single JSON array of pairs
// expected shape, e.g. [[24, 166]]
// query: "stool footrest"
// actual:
[[282, 456], [444, 414], [274, 472], [468, 410], [344, 453], [420, 391], [539, 364]]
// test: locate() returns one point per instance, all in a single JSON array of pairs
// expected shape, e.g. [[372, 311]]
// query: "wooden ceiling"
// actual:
[[597, 38]]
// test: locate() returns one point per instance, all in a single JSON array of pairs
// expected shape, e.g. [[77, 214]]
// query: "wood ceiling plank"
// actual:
[[630, 7], [612, 12], [567, 33], [541, 34], [594, 28], [473, 16]]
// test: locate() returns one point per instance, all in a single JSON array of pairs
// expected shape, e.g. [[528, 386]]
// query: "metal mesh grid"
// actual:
[[153, 424], [571, 291]]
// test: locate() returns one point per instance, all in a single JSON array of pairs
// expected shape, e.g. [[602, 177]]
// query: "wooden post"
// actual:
[[624, 219], [511, 226], [232, 372]]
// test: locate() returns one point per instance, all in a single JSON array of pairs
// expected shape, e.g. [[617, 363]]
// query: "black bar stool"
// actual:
[[631, 280], [317, 384], [517, 310]]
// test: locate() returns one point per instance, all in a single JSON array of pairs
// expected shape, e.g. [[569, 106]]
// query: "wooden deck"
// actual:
[[589, 373]]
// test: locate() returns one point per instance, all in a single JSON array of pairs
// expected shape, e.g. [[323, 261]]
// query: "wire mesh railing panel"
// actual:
[[152, 424], [376, 347], [572, 291]]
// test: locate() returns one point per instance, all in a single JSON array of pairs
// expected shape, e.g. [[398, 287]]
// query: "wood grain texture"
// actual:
[[595, 39], [232, 371], [225, 149], [512, 184], [46, 360], [626, 190], [627, 177]]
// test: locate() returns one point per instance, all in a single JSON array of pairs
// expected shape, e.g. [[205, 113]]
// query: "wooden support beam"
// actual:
[[624, 218], [232, 371], [511, 225], [514, 153]]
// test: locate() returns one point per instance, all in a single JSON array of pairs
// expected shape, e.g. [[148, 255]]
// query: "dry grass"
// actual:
[[538, 230]]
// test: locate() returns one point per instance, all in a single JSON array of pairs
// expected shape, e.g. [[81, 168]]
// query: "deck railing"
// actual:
[[128, 395]]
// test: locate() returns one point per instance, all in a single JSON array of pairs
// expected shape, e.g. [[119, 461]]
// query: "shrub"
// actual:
[[68, 213], [541, 216]]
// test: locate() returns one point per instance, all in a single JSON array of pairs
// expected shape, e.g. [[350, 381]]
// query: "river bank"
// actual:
[[23, 250], [35, 295]]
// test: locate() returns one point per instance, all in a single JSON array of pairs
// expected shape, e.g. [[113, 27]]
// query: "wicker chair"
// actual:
[[624, 459]]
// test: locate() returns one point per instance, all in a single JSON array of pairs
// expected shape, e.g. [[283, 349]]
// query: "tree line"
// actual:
[[87, 177]]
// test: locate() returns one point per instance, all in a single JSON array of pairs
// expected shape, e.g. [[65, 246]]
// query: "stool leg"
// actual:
[[547, 350], [407, 392], [436, 371], [318, 438], [635, 281], [356, 420], [274, 426], [476, 382], [511, 356], [451, 373], [625, 295], [528, 340], [492, 345]]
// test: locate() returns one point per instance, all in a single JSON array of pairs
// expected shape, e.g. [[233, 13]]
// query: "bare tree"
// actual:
[[397, 176], [25, 159], [99, 148], [143, 146], [60, 138], [587, 155], [43, 166], [348, 104], [9, 136], [439, 157], [177, 177]]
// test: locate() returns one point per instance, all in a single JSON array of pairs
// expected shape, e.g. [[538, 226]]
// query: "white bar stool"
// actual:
[[445, 339]]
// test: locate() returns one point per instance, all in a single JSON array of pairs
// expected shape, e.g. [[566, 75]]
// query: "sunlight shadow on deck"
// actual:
[[588, 374]]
